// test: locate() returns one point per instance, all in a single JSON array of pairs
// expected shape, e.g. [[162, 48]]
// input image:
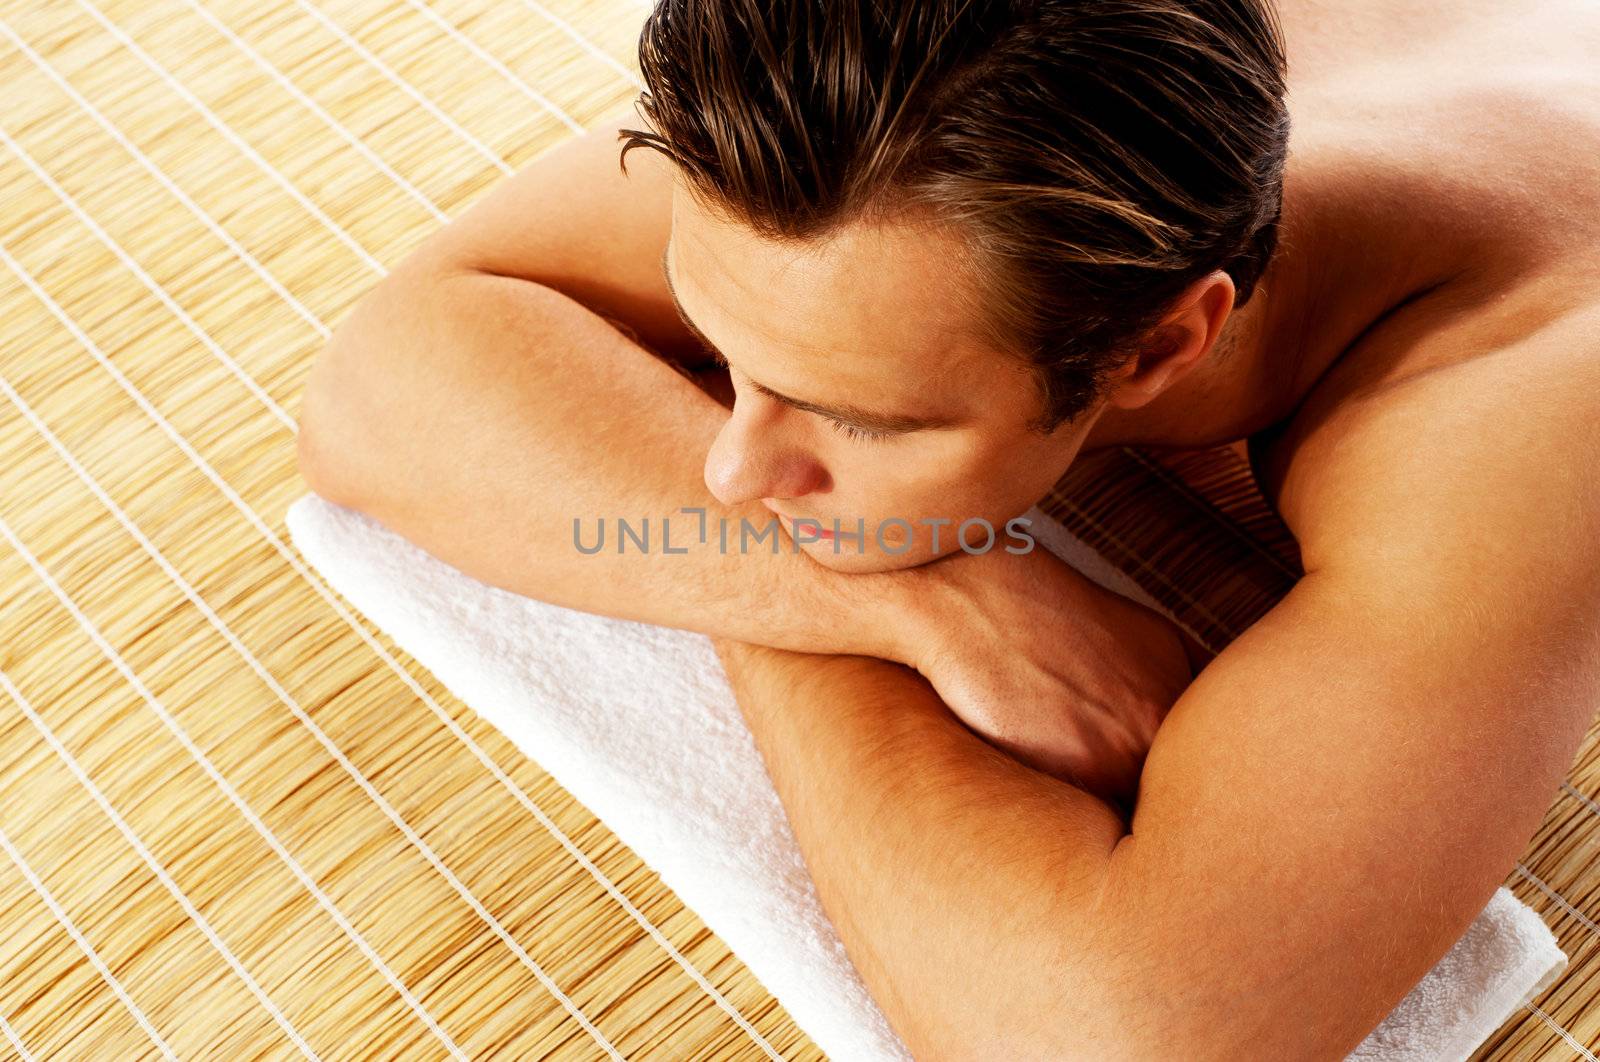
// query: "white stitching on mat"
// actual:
[[1583, 1052], [339, 231], [1580, 797], [638, 916], [584, 42], [127, 831], [404, 86], [494, 64], [444, 717], [283, 695], [156, 289], [1550, 891], [76, 934], [16, 1040], [261, 827], [1594, 932], [316, 108], [166, 182]]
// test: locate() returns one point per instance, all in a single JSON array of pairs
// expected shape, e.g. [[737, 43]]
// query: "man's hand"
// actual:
[[1047, 665]]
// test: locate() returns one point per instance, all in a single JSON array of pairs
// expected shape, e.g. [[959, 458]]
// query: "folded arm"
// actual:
[[525, 367], [1322, 814], [496, 389]]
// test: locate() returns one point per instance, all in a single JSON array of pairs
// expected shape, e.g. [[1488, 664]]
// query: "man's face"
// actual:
[[876, 320]]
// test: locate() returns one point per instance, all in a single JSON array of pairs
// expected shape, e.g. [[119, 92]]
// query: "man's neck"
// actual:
[[1342, 261], [1225, 397]]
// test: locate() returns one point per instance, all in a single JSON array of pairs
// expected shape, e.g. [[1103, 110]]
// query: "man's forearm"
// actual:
[[964, 885], [481, 416]]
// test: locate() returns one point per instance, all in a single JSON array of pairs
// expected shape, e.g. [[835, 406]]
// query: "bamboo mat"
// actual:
[[237, 822]]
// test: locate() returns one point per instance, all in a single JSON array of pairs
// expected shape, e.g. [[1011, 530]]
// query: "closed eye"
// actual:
[[850, 431]]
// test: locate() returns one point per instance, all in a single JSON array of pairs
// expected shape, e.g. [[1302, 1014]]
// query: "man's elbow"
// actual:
[[1113, 991], [1076, 1025], [1095, 1005], [330, 441], [318, 467], [1062, 1025]]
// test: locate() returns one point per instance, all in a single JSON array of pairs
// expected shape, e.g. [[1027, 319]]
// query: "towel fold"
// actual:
[[638, 723]]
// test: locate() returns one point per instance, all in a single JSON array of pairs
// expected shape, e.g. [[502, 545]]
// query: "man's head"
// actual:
[[985, 223]]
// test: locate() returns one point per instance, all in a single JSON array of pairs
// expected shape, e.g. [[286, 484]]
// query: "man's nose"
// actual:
[[751, 459]]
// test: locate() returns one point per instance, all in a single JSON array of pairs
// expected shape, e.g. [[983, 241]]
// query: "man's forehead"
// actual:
[[899, 353], [885, 280]]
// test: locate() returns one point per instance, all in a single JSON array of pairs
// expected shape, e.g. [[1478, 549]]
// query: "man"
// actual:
[[945, 248]]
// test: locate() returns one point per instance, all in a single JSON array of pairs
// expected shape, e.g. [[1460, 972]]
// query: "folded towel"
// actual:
[[638, 723]]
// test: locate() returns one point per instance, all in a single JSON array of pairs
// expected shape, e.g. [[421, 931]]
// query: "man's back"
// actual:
[[1460, 154], [1336, 47]]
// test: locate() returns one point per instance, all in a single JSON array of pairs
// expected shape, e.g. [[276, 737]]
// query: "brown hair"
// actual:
[[1096, 156]]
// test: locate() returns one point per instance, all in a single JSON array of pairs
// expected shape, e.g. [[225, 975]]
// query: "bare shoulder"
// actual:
[[574, 220], [1483, 454], [1346, 784]]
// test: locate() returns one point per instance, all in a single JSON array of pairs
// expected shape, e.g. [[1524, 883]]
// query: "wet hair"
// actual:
[[1094, 157]]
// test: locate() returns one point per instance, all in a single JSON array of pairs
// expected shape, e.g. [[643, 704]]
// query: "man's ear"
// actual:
[[1176, 345]]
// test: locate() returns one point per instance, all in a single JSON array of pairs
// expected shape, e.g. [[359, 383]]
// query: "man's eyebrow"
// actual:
[[860, 416]]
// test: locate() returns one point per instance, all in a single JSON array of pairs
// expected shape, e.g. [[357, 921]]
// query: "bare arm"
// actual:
[[960, 881], [1326, 809], [479, 400]]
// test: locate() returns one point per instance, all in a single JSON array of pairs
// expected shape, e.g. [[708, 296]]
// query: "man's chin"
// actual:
[[848, 559]]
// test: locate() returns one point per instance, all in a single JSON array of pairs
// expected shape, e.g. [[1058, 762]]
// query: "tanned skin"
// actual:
[[1324, 807]]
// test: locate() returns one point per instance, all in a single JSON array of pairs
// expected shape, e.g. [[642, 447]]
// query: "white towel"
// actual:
[[638, 723]]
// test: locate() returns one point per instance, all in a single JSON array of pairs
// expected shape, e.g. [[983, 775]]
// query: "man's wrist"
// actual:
[[897, 615], [734, 653], [913, 609]]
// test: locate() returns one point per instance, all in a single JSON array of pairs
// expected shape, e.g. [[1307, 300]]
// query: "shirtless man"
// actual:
[[1330, 801]]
